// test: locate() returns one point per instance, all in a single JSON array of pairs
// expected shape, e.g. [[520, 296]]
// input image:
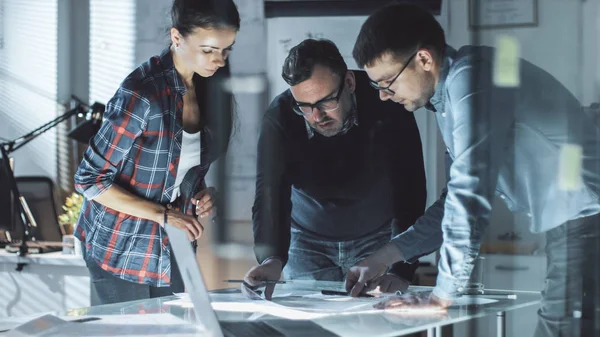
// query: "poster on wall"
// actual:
[[502, 13], [303, 8]]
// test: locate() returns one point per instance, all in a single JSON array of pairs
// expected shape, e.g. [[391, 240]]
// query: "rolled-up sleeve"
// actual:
[[123, 122]]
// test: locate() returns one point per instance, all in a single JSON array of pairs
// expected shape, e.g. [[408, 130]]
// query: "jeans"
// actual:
[[312, 258], [570, 299], [112, 289]]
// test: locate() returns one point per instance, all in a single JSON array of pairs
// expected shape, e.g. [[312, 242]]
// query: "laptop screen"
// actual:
[[193, 281]]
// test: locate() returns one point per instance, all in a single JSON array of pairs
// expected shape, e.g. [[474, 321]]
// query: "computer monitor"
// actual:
[[39, 194], [38, 201], [8, 205]]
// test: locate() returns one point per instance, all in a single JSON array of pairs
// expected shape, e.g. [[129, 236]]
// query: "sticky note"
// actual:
[[507, 62], [569, 167]]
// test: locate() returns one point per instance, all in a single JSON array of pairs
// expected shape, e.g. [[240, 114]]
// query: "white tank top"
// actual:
[[190, 157]]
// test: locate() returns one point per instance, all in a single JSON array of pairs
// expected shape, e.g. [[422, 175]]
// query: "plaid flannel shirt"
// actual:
[[138, 148]]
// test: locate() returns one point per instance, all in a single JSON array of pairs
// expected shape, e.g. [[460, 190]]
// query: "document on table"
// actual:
[[251, 306], [290, 305], [305, 304]]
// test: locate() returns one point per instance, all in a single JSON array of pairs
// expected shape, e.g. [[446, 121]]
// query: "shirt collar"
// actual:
[[437, 100], [173, 78]]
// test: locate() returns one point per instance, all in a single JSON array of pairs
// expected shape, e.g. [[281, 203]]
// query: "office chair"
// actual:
[[40, 195]]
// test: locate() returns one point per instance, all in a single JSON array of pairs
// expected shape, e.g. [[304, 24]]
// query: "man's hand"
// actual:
[[423, 300], [390, 283], [363, 276], [205, 201], [366, 274], [268, 270], [187, 223]]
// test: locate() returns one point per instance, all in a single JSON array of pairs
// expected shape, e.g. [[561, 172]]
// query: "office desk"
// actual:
[[377, 323], [48, 282]]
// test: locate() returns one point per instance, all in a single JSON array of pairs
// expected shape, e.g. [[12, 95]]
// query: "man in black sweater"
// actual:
[[339, 173]]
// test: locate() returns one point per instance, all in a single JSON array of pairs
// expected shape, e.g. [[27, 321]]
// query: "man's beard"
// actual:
[[348, 122]]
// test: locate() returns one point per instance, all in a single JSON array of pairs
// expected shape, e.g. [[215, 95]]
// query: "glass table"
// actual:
[[305, 297]]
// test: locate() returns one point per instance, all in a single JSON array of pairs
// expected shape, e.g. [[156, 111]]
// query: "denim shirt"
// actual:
[[502, 141]]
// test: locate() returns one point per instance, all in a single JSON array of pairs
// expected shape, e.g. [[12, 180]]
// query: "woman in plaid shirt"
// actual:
[[146, 165]]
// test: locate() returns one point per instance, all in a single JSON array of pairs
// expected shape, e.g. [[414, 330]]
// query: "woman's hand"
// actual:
[[205, 201], [187, 223]]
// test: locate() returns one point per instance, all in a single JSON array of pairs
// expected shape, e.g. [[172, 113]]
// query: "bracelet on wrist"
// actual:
[[165, 217]]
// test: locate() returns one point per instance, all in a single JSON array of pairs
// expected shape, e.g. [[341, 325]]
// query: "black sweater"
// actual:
[[342, 187]]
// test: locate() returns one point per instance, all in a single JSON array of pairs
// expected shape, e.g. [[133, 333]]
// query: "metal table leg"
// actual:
[[434, 332], [501, 324]]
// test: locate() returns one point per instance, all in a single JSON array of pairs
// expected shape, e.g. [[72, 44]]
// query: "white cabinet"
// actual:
[[509, 272], [514, 272], [50, 282]]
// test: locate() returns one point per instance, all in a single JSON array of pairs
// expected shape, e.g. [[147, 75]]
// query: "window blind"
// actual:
[[112, 46], [28, 81]]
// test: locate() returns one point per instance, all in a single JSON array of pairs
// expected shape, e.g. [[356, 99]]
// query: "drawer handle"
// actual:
[[511, 268]]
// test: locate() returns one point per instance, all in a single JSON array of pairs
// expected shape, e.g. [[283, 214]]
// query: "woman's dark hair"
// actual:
[[208, 14], [218, 111], [300, 62], [399, 29], [217, 105]]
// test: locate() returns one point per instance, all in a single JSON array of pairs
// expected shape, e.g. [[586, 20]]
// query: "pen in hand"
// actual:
[[262, 282], [85, 319], [342, 293]]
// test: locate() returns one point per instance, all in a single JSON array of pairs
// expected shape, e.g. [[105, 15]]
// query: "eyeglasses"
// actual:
[[387, 89], [324, 105]]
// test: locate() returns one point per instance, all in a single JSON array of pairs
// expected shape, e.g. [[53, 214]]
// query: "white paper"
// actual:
[[263, 307], [181, 302], [303, 305], [266, 307]]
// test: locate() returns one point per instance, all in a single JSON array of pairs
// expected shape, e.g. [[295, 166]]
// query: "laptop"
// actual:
[[206, 316]]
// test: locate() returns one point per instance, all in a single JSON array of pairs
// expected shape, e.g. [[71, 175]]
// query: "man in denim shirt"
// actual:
[[505, 140]]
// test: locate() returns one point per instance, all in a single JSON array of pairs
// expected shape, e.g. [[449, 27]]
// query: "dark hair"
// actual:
[[399, 29], [189, 14], [300, 62], [218, 112], [217, 106]]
